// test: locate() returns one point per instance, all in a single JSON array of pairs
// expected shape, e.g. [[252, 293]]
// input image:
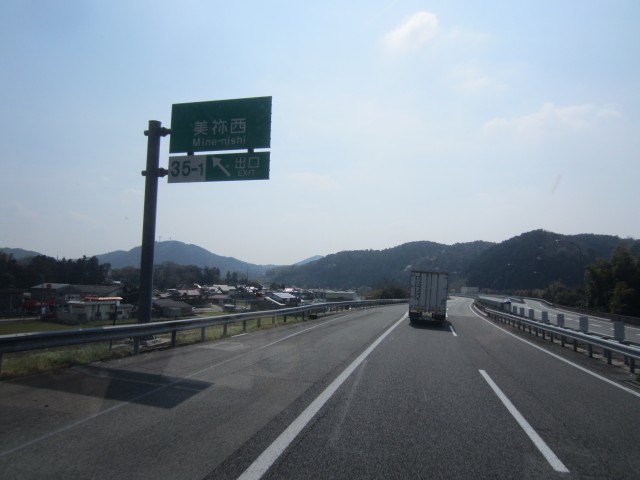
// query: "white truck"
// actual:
[[428, 296]]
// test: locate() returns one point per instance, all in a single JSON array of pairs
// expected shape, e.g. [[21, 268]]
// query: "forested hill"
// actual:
[[538, 258], [375, 268], [532, 260]]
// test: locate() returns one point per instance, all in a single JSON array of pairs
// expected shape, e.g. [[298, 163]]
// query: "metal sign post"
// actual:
[[152, 173], [236, 124]]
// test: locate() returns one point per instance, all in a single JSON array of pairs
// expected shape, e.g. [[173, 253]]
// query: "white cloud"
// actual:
[[414, 32], [552, 119], [472, 80]]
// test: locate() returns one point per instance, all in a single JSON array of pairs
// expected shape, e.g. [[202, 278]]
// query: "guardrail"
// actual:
[[565, 335], [613, 317], [140, 331]]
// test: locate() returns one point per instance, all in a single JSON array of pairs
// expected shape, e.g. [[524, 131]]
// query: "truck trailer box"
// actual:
[[428, 293]]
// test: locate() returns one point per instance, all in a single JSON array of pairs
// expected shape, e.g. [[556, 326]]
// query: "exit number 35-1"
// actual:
[[185, 168]]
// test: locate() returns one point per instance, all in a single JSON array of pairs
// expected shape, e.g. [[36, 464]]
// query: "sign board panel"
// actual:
[[238, 124], [219, 167]]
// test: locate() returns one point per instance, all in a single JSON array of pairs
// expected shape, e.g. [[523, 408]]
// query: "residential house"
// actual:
[[169, 308], [284, 298], [91, 309]]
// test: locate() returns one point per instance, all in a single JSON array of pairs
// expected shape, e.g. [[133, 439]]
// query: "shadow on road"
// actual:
[[126, 386], [431, 326]]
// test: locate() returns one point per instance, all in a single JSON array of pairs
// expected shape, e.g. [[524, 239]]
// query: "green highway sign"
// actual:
[[219, 167], [238, 124]]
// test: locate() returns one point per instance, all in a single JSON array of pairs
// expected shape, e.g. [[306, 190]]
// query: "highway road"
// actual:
[[357, 395]]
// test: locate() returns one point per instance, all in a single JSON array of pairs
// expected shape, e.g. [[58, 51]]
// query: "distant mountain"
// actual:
[[529, 261], [309, 260], [19, 253], [373, 268], [183, 254]]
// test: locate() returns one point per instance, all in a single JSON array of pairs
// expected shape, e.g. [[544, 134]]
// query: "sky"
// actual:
[[392, 122]]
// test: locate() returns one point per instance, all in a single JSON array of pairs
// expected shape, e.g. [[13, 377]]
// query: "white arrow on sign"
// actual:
[[216, 162]]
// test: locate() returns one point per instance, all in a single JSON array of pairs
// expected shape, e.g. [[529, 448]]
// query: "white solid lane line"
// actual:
[[540, 444], [260, 466]]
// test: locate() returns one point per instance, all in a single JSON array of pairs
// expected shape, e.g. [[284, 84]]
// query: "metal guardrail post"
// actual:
[[202, 334], [532, 314], [244, 326], [174, 334], [544, 317], [563, 339], [224, 330], [618, 331], [584, 324]]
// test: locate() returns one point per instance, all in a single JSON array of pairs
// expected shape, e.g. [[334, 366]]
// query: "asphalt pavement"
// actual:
[[362, 394]]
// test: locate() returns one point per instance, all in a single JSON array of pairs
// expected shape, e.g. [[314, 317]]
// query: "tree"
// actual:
[[393, 292], [211, 276], [42, 269], [130, 276], [8, 268], [560, 294], [95, 274], [624, 300], [599, 283], [624, 267], [615, 286]]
